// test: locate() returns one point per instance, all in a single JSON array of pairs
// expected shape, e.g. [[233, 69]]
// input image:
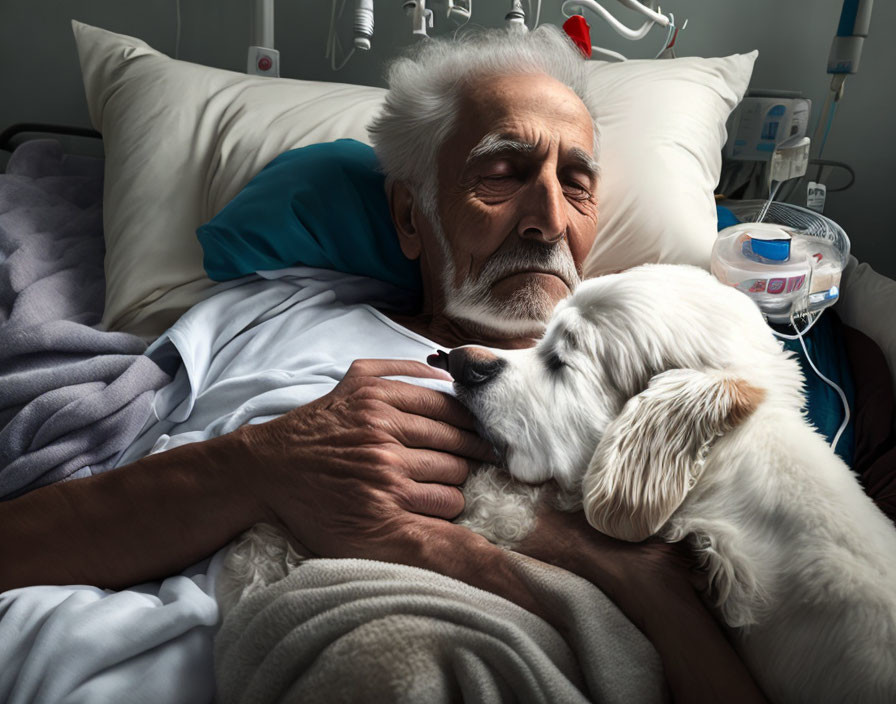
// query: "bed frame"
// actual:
[[8, 141]]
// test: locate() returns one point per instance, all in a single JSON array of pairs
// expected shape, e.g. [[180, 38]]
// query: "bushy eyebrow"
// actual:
[[495, 144]]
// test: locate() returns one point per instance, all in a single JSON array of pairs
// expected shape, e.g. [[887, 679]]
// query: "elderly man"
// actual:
[[489, 149]]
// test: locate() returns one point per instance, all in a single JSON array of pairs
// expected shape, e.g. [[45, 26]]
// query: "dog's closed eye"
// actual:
[[554, 363]]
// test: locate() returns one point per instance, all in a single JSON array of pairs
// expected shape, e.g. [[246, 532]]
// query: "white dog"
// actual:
[[661, 398]]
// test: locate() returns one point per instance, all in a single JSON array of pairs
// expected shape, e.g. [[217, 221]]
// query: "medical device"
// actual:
[[789, 161], [786, 258], [790, 265], [421, 17], [458, 11], [263, 59], [763, 120], [650, 11], [516, 18], [363, 24], [362, 29], [843, 60], [846, 47]]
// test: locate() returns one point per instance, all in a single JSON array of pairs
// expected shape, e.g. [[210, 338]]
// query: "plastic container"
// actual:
[[787, 272]]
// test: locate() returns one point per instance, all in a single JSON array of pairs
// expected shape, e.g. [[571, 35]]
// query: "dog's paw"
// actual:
[[733, 583]]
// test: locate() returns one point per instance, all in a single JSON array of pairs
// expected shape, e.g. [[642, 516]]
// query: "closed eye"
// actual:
[[554, 363]]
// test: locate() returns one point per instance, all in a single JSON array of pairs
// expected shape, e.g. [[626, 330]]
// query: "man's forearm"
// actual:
[[143, 521], [700, 663]]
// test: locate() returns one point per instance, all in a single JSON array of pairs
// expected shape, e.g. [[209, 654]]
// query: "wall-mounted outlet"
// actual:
[[263, 62]]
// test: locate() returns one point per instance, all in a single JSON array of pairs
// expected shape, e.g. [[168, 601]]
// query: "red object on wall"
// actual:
[[580, 33], [265, 63]]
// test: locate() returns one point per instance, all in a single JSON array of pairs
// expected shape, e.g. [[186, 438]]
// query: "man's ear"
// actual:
[[402, 206], [652, 453]]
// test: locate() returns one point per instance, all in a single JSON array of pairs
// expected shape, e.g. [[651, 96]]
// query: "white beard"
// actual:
[[525, 313]]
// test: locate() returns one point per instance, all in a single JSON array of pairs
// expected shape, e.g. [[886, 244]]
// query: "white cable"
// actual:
[[609, 53], [840, 393], [670, 32], [813, 318], [537, 13], [647, 11], [466, 21], [768, 204], [568, 7], [833, 386]]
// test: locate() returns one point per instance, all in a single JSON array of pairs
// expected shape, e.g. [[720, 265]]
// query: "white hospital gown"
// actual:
[[254, 350]]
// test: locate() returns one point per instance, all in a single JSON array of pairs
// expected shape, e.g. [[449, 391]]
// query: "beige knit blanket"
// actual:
[[365, 631]]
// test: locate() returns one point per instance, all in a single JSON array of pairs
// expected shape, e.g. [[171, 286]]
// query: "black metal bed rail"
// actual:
[[6, 137]]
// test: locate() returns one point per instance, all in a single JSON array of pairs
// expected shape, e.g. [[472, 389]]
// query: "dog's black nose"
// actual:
[[473, 366]]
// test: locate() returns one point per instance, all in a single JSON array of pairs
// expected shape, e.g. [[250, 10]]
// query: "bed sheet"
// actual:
[[71, 398], [71, 395], [153, 642], [78, 644]]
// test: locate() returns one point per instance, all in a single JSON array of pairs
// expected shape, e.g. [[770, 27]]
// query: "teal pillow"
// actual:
[[321, 206]]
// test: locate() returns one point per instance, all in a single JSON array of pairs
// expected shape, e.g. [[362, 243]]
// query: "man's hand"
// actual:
[[354, 473], [369, 470]]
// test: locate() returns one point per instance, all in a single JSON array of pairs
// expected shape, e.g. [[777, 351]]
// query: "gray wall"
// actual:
[[40, 80]]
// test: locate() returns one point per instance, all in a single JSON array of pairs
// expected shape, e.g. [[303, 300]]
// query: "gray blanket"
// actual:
[[71, 396], [363, 631]]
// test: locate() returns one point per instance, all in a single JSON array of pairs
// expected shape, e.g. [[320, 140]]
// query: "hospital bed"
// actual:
[[155, 642]]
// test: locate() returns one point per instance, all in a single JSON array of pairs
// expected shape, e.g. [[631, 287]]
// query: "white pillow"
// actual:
[[662, 130], [181, 140]]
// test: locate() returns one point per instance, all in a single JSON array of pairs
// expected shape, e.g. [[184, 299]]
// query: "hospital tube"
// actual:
[[843, 399]]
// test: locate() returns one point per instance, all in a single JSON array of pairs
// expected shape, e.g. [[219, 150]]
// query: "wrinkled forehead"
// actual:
[[523, 96], [530, 109]]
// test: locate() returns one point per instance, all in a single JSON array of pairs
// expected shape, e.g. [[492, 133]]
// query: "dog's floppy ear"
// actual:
[[652, 453]]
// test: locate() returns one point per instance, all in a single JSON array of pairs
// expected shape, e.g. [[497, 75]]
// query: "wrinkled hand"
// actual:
[[366, 470]]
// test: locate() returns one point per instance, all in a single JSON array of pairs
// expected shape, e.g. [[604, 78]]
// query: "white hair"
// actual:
[[420, 109]]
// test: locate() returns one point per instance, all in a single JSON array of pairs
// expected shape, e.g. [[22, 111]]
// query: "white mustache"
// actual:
[[557, 261]]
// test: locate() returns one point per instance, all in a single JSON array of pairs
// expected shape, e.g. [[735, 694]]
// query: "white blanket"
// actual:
[[257, 348], [83, 645], [254, 350], [364, 631]]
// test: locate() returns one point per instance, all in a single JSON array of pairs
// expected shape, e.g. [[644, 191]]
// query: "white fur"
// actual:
[[678, 413], [676, 404]]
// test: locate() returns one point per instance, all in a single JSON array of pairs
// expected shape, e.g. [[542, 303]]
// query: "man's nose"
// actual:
[[545, 216], [474, 366]]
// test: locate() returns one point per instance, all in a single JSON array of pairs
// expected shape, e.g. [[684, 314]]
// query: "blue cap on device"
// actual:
[[775, 250]]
